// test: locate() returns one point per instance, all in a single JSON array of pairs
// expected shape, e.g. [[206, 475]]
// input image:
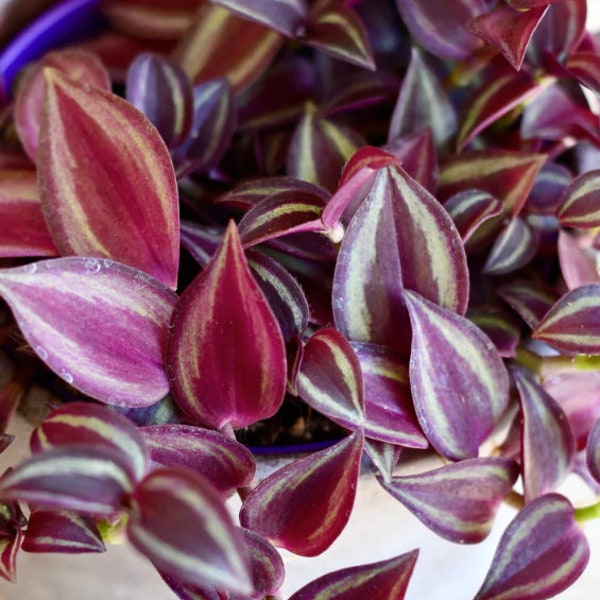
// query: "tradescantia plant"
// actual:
[[389, 215]]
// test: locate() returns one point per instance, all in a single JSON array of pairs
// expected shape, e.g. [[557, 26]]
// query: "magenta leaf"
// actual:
[[470, 208], [213, 125], [24, 231], [515, 246], [121, 364], [440, 27], [82, 478], [194, 541], [457, 501], [285, 16], [123, 204], [383, 580], [573, 323], [78, 64], [541, 553], [458, 380], [384, 457], [547, 441], [330, 379], [585, 67], [422, 103], [225, 308], [593, 451], [400, 237], [200, 241], [390, 414], [580, 204], [492, 100], [162, 91], [508, 30], [87, 423], [577, 263], [305, 505], [547, 191], [531, 300], [226, 464], [9, 547], [61, 531], [339, 31]]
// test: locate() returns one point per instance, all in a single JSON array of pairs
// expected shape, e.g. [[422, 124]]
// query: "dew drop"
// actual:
[[66, 375], [41, 352], [92, 265], [107, 263], [32, 268]]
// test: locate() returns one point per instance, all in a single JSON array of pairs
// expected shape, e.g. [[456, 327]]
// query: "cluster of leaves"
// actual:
[[392, 211]]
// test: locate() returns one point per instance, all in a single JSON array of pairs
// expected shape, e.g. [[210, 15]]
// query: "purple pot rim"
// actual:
[[291, 448], [69, 21]]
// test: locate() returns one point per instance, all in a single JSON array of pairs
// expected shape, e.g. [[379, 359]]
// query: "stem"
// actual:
[[587, 513], [229, 433], [514, 499], [544, 366]]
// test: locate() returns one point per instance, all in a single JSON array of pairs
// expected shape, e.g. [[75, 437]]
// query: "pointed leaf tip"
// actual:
[[224, 308]]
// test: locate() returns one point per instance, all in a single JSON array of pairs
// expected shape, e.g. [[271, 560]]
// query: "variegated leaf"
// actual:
[[399, 238], [501, 326], [61, 531], [123, 204], [580, 204], [577, 262], [87, 423], [546, 193], [225, 463], [9, 548], [195, 541], [161, 90], [384, 457], [458, 381], [24, 231], [585, 67], [470, 208], [547, 441], [305, 505], [121, 364], [573, 323], [593, 451], [225, 308], [515, 246], [422, 104], [508, 30], [384, 580], [541, 553], [457, 501], [330, 379], [82, 478], [531, 300]]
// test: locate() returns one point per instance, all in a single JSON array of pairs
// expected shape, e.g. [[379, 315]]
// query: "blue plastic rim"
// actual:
[[67, 22]]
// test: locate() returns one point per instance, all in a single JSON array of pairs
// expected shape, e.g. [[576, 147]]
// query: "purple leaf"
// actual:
[[384, 457], [541, 553], [5, 440], [573, 323], [492, 100], [457, 501], [384, 580], [458, 381], [226, 464], [200, 241], [225, 308], [305, 505], [87, 423], [593, 451], [319, 148], [470, 208], [580, 204], [9, 547], [531, 300], [440, 27], [81, 65], [548, 189], [83, 478], [161, 90], [390, 414], [24, 231], [547, 440], [501, 326], [422, 103], [194, 541], [585, 67], [399, 238], [61, 531], [577, 263], [121, 364], [285, 16], [123, 204], [515, 246], [212, 128], [330, 378], [339, 31], [508, 30]]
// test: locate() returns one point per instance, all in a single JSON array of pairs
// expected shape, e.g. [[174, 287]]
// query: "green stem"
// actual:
[[514, 499], [546, 366], [587, 513]]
